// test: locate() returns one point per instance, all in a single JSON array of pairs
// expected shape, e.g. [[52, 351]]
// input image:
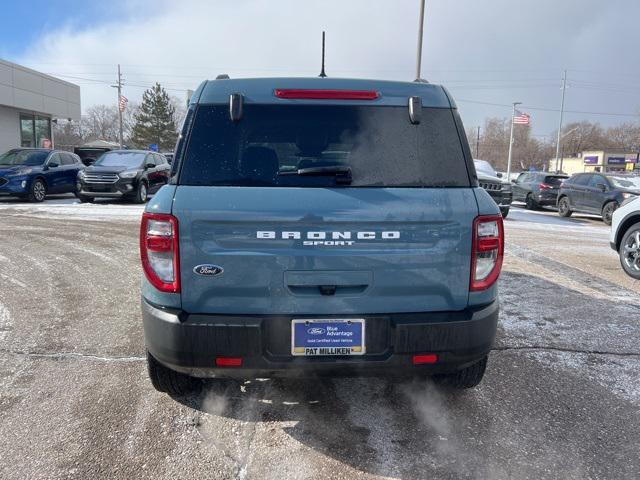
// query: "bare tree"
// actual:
[[625, 136]]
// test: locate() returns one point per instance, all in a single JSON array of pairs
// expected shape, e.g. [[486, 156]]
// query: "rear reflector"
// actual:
[[544, 186], [426, 358], [228, 361], [297, 93]]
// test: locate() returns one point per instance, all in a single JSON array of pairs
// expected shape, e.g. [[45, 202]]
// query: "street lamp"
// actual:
[[559, 160]]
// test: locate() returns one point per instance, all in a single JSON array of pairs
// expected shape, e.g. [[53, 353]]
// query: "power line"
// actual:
[[543, 109], [458, 100]]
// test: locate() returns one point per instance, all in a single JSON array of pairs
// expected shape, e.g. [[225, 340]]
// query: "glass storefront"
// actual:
[[35, 131]]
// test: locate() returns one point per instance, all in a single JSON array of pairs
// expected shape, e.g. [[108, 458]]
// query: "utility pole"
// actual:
[[564, 88], [119, 87], [420, 31], [478, 143], [513, 114]]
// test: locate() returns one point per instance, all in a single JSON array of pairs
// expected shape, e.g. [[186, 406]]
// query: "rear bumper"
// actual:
[[190, 343], [546, 198]]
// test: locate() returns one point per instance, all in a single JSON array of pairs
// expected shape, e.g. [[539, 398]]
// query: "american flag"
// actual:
[[521, 118], [123, 103]]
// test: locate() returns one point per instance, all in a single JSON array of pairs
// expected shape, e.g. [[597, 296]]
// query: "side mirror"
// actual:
[[150, 165], [601, 186], [513, 180], [499, 174], [53, 165]]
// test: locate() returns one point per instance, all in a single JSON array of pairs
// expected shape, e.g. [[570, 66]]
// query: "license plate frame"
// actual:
[[328, 343]]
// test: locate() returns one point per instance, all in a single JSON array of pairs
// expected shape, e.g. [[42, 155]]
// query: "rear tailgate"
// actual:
[[325, 251]]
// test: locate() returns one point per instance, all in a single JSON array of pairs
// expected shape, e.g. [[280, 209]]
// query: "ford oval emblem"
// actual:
[[316, 331], [208, 270]]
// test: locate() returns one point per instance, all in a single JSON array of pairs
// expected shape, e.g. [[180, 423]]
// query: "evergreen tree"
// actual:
[[155, 120]]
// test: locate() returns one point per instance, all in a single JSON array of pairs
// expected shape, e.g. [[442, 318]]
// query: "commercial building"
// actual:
[[29, 101], [598, 161]]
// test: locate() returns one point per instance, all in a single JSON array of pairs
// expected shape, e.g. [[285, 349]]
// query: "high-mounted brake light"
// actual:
[[487, 251], [307, 94], [159, 251]]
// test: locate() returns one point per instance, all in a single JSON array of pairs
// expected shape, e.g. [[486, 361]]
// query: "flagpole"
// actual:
[[513, 114]]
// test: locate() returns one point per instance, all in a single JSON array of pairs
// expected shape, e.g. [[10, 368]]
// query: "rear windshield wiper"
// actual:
[[341, 172]]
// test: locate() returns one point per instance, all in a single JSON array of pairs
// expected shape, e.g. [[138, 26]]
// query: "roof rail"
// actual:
[[222, 76]]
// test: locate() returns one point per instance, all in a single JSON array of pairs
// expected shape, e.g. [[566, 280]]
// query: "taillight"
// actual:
[[487, 251], [544, 186], [314, 94], [159, 251]]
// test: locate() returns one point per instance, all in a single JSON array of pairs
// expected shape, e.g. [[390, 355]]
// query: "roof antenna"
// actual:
[[322, 74]]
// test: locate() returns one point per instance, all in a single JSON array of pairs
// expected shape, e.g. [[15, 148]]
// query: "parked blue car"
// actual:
[[32, 173]]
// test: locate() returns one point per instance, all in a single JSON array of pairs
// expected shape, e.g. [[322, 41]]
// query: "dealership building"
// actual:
[[606, 161], [29, 102]]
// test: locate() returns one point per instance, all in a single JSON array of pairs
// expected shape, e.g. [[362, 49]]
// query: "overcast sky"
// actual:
[[485, 51]]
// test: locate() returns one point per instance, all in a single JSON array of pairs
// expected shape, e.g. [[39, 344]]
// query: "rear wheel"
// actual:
[[504, 212], [564, 208], [468, 377], [607, 212], [168, 381], [530, 203], [630, 251], [38, 191]]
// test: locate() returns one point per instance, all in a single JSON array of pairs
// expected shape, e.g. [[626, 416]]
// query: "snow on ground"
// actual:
[[70, 207], [549, 220]]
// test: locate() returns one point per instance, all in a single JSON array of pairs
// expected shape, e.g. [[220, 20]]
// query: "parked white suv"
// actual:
[[625, 235]]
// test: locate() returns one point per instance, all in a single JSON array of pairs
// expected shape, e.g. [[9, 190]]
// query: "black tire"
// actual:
[[168, 381], [84, 198], [564, 207], [142, 193], [468, 377], [38, 191], [629, 251], [504, 212], [607, 212], [530, 203]]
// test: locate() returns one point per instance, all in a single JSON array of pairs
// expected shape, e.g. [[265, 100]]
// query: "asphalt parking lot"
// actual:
[[561, 398]]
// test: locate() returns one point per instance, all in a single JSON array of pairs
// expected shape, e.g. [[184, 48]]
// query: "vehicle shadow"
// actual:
[[67, 198]]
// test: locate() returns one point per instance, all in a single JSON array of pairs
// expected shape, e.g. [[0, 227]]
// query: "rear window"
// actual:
[[554, 181], [320, 146]]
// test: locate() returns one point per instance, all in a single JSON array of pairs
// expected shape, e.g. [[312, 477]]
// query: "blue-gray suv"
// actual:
[[320, 226]]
